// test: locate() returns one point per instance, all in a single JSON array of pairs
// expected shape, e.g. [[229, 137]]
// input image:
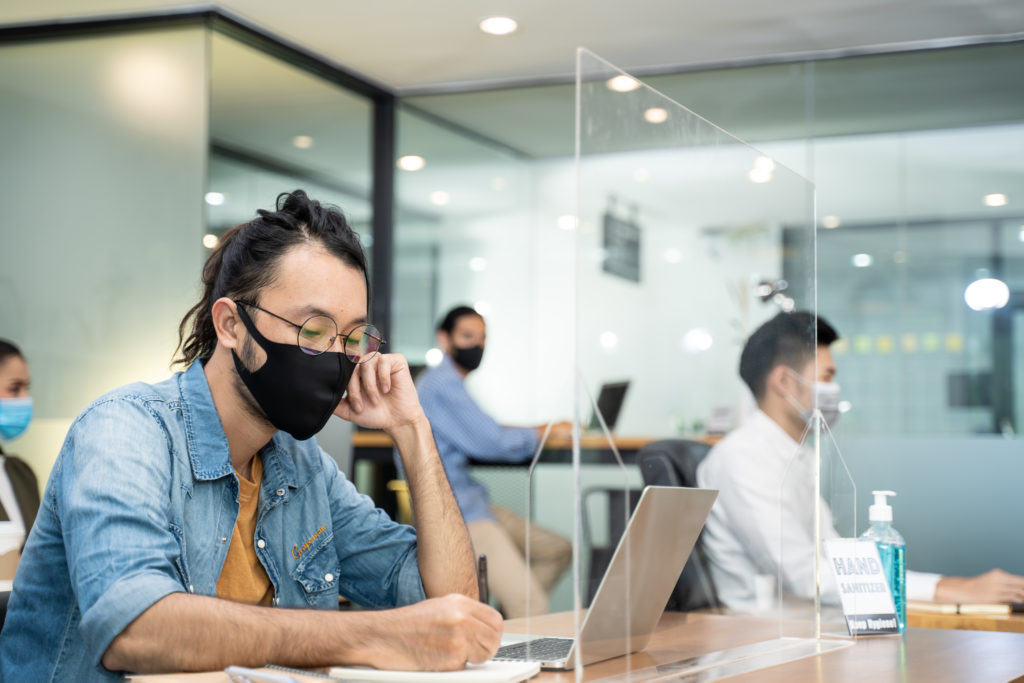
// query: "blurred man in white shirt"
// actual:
[[787, 362]]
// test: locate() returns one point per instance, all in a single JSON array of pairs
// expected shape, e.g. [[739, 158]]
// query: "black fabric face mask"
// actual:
[[469, 358], [296, 391]]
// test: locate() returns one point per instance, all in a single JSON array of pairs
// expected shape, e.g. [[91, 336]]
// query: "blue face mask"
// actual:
[[15, 414]]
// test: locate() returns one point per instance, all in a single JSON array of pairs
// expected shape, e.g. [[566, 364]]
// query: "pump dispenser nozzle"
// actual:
[[881, 511]]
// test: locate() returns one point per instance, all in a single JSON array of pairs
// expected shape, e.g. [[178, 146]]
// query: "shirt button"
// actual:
[[261, 543], [328, 577], [190, 590], [279, 492], [223, 539]]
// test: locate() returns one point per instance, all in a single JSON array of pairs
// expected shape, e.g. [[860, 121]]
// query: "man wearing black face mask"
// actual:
[[180, 513], [463, 433]]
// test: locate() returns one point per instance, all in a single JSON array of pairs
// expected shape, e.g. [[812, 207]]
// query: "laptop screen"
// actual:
[[609, 403]]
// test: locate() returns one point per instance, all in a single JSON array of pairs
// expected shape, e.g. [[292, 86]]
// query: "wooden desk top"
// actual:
[[1013, 623], [920, 655]]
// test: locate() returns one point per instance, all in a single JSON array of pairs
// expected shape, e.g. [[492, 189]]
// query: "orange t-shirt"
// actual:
[[243, 578]]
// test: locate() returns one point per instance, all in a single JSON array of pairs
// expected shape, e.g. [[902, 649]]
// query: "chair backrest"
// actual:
[[5, 597], [673, 462], [620, 503]]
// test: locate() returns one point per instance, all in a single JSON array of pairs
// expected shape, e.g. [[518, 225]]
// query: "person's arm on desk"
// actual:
[[992, 586], [560, 431], [183, 632]]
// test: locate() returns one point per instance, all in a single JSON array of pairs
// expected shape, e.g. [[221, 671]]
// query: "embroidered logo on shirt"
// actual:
[[297, 551]]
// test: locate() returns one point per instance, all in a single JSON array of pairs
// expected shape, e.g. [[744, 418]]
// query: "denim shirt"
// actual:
[[142, 502]]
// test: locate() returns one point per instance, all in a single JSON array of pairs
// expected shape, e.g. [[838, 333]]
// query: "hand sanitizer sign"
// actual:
[[863, 587]]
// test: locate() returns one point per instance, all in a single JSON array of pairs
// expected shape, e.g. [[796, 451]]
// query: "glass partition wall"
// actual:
[[286, 129]]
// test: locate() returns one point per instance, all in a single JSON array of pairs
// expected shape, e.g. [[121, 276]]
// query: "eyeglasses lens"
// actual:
[[362, 343], [317, 334]]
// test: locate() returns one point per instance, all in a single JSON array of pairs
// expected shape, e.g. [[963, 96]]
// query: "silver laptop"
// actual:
[[635, 588]]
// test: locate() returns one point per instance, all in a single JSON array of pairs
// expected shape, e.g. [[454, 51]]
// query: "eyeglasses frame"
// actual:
[[306, 350]]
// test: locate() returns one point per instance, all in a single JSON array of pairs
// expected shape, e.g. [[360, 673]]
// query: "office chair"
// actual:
[[673, 462], [5, 597], [620, 502]]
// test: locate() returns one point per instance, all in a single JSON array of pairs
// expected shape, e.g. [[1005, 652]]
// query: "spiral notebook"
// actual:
[[488, 672]]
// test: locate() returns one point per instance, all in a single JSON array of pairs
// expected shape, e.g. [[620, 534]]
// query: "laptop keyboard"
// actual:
[[536, 650]]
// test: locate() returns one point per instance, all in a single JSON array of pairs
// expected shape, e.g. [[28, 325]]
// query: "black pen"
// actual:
[[481, 578]]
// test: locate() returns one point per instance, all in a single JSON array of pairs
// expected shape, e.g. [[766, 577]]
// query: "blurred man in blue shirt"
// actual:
[[464, 432]]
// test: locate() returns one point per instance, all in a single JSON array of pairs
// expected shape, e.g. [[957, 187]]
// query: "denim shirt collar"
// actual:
[[208, 445]]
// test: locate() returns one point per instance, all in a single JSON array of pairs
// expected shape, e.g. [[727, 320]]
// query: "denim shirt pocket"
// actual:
[[179, 561], [317, 572]]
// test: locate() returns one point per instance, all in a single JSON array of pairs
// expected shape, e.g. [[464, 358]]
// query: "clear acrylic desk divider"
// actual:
[[818, 502], [588, 482], [686, 241]]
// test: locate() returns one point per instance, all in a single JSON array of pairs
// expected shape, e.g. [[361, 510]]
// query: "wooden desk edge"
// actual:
[[1009, 623], [376, 439]]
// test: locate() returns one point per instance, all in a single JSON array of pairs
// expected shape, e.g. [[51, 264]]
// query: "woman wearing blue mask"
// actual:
[[19, 490]]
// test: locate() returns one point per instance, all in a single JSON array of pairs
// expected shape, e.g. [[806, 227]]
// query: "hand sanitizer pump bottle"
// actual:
[[893, 551]]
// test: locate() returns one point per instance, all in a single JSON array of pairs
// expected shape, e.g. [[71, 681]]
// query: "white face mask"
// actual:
[[826, 397]]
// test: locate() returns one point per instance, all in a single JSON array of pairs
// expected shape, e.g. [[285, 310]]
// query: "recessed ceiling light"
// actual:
[[862, 260], [609, 340], [1020, 234], [210, 241], [997, 199], [696, 340], [623, 83], [656, 115], [986, 294], [434, 357], [478, 264], [440, 198], [498, 26], [411, 162], [830, 222], [302, 141], [215, 198], [762, 171], [764, 163]]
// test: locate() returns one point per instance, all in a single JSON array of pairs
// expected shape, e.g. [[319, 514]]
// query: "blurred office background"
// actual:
[[128, 145]]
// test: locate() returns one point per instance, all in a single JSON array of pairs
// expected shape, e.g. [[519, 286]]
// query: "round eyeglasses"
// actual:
[[317, 335]]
